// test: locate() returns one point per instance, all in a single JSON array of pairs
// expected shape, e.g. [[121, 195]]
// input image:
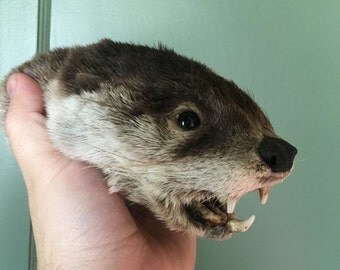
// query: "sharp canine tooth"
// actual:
[[264, 194], [231, 204], [236, 225]]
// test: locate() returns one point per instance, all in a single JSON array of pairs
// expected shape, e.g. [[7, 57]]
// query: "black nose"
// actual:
[[277, 154]]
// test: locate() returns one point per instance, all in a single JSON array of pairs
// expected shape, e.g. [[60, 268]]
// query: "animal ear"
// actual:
[[87, 81]]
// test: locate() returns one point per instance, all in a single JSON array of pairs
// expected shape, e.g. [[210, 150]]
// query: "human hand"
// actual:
[[77, 224]]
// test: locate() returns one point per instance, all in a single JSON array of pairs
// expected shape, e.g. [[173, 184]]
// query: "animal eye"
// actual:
[[188, 120]]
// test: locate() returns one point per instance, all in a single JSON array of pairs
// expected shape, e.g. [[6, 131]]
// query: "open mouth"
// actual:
[[212, 214]]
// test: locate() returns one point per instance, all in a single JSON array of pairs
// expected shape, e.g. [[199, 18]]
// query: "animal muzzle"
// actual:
[[277, 154]]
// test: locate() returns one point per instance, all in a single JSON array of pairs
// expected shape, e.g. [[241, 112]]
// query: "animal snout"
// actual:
[[277, 154]]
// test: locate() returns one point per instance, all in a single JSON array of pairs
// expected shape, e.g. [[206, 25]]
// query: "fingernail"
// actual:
[[12, 86]]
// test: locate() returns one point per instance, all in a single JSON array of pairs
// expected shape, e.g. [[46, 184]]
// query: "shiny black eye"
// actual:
[[188, 120]]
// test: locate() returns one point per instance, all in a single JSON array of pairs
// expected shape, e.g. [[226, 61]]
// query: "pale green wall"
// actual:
[[287, 53], [18, 20]]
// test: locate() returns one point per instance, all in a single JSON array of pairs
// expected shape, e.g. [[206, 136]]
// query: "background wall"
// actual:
[[18, 20], [287, 54]]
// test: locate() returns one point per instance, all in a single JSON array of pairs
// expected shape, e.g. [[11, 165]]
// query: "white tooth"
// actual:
[[264, 194], [231, 204], [236, 225]]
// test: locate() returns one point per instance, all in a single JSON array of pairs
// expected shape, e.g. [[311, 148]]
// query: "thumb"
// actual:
[[25, 94], [25, 123]]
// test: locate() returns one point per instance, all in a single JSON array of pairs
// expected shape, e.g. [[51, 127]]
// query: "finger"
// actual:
[[25, 93], [25, 111], [25, 125]]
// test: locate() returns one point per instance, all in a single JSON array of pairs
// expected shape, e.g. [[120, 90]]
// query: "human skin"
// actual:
[[76, 222]]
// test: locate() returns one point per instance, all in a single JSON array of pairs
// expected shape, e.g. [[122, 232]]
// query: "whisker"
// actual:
[[301, 160]]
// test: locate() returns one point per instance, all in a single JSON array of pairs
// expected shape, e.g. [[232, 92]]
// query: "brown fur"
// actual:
[[116, 106]]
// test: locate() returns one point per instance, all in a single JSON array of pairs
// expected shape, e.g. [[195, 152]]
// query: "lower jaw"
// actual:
[[207, 228], [212, 219]]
